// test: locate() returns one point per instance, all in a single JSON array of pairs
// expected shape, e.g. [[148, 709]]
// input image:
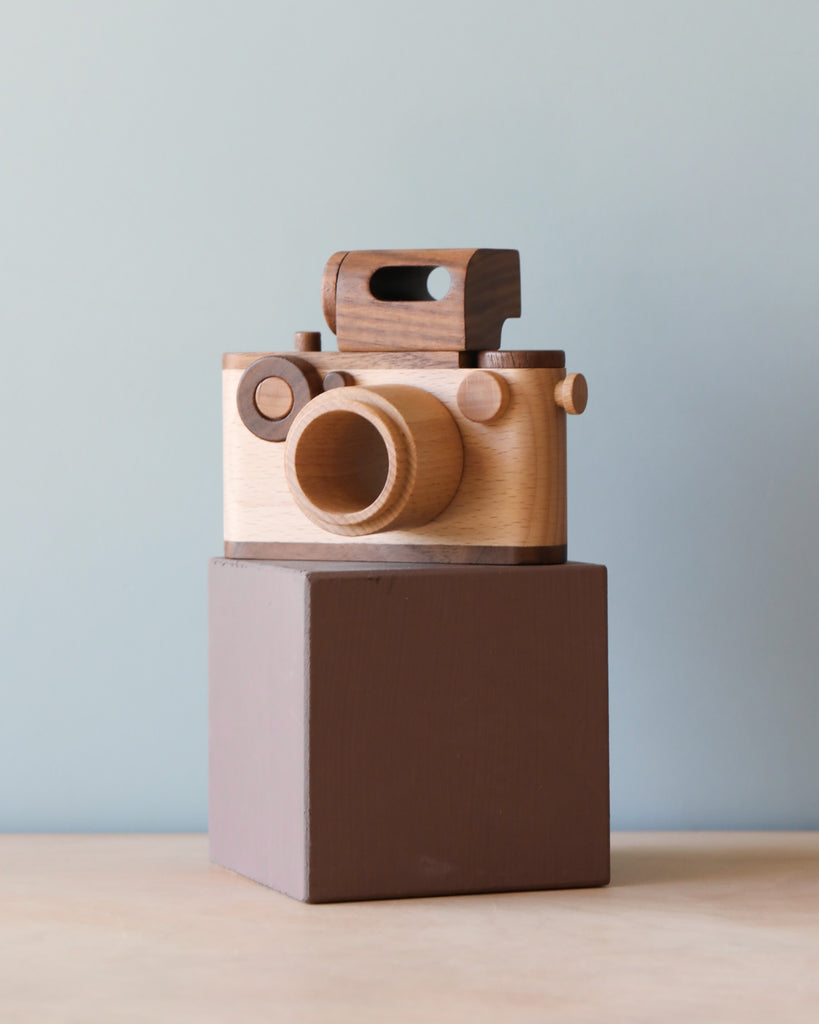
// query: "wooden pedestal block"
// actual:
[[383, 730]]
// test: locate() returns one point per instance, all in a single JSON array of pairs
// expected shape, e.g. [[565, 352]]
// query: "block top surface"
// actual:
[[322, 568]]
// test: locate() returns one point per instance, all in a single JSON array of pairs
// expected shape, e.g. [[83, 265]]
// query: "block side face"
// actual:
[[458, 732], [257, 723]]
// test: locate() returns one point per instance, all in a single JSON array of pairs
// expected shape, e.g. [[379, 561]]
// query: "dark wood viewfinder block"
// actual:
[[391, 730]]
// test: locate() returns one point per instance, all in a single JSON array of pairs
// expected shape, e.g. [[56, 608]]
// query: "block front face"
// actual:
[[458, 730], [257, 814]]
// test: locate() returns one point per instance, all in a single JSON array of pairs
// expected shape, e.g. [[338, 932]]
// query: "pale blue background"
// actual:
[[172, 178]]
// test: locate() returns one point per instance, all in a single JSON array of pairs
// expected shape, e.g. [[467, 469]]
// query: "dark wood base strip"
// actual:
[[454, 554]]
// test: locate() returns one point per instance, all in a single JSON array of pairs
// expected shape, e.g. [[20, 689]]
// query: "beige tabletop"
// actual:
[[694, 927]]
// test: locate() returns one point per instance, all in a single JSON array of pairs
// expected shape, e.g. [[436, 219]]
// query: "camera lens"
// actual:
[[362, 460]]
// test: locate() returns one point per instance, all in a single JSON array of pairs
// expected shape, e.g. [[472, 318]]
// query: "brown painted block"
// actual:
[[408, 730]]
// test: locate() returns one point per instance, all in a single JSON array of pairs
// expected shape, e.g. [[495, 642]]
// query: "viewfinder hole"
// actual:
[[409, 284]]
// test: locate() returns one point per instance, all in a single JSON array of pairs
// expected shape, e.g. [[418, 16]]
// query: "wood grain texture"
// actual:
[[431, 767], [483, 396], [695, 928], [364, 460], [532, 359], [274, 398], [445, 554], [512, 494], [326, 362], [328, 289], [307, 341], [491, 295], [338, 379], [572, 393], [484, 291], [298, 376]]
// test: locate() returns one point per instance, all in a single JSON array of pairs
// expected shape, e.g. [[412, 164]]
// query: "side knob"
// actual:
[[572, 393]]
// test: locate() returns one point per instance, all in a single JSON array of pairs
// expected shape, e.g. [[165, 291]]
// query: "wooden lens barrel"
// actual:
[[363, 460]]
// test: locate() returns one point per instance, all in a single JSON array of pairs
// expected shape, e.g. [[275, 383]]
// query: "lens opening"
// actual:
[[341, 462]]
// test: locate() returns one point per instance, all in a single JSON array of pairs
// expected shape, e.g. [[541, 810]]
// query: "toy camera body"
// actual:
[[418, 440]]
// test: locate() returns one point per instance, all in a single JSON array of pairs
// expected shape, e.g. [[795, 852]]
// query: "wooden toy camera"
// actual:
[[418, 441]]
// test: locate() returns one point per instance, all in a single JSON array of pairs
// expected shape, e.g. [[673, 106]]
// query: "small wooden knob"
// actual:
[[337, 379], [303, 381], [483, 396], [274, 398], [572, 393], [307, 341]]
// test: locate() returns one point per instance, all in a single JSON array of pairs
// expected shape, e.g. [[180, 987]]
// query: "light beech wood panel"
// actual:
[[512, 492], [483, 396], [694, 928]]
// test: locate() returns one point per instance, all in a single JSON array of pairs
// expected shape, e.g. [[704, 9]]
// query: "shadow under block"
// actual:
[[408, 730]]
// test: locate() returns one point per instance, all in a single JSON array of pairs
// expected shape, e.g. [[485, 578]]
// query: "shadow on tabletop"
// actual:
[[745, 857]]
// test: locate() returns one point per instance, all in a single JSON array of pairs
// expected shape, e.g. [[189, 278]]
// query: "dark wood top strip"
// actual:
[[536, 359], [325, 362]]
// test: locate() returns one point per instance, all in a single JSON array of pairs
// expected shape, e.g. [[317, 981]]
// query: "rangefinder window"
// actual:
[[401, 284]]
